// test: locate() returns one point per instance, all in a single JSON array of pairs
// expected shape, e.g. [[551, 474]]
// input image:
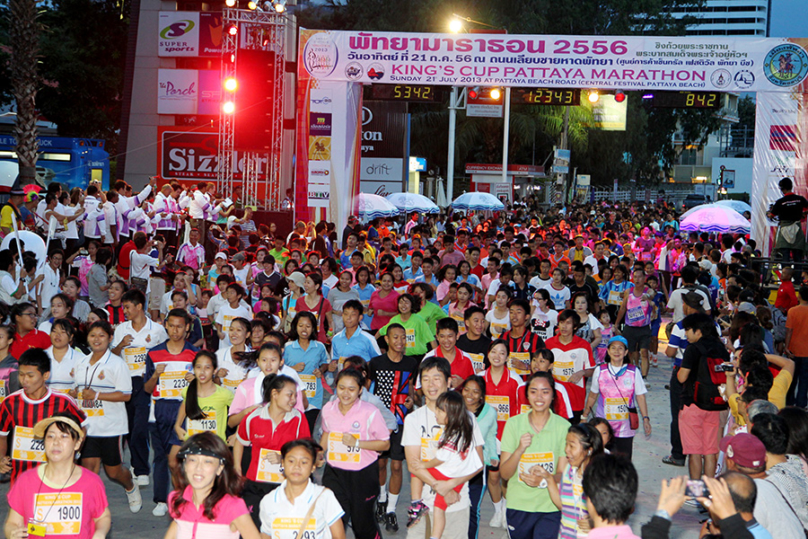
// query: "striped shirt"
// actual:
[[19, 414], [573, 503]]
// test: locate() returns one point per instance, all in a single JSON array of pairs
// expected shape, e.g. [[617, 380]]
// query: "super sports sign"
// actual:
[[626, 62]]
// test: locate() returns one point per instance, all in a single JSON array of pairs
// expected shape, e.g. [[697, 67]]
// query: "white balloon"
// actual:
[[30, 243]]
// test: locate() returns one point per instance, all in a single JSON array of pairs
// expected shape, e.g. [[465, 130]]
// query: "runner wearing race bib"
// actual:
[[573, 359], [615, 388], [266, 429], [638, 308], [204, 403], [132, 341], [354, 433], [308, 357], [59, 498], [22, 410], [282, 512], [168, 371], [206, 466], [102, 385]]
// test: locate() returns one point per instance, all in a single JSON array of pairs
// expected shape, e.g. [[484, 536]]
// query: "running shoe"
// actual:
[[391, 522], [381, 510], [497, 520], [160, 509], [135, 500], [415, 512]]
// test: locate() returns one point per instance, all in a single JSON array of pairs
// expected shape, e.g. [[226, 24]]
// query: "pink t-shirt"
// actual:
[[250, 392], [389, 304], [363, 420], [192, 523], [88, 493]]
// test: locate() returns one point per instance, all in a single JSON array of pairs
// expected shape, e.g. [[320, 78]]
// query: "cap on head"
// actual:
[[744, 449]]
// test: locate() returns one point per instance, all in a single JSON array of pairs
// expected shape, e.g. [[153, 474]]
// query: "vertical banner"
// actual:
[[384, 147], [328, 137], [777, 138]]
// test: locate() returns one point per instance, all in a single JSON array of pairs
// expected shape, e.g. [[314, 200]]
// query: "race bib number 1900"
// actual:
[[59, 512]]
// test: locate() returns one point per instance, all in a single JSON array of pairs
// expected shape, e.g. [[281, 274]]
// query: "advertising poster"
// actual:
[[384, 147], [189, 33], [177, 91]]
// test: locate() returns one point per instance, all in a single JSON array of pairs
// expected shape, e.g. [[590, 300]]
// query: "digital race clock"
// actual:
[[405, 92], [687, 100], [546, 96]]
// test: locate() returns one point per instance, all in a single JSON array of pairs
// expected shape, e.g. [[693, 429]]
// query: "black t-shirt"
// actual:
[[586, 288], [392, 382], [696, 358], [272, 280], [790, 207], [478, 347], [282, 288]]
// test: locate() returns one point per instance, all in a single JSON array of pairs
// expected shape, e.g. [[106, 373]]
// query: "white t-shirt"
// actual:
[[152, 334], [61, 372], [559, 297], [140, 265], [498, 326], [225, 315], [421, 429], [676, 302], [50, 285], [281, 519], [235, 372], [109, 374], [639, 383], [456, 464], [537, 282], [544, 323]]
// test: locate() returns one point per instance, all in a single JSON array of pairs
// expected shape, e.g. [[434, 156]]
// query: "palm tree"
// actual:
[[24, 46]]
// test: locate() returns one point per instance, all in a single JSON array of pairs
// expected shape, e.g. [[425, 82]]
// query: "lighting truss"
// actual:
[[261, 172]]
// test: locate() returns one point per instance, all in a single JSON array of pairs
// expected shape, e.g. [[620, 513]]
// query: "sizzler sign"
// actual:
[[194, 155]]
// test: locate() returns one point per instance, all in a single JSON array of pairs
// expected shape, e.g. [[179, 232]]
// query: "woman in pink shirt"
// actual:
[[383, 303], [206, 502], [354, 433]]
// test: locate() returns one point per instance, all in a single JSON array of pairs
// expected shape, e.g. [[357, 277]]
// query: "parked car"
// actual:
[[691, 201]]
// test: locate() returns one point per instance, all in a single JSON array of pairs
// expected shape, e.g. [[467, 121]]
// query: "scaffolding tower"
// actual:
[[260, 172]]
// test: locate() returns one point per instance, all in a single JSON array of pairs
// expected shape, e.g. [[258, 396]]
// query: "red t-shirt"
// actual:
[[507, 397], [461, 366], [479, 271], [319, 310], [32, 339], [258, 430], [571, 358], [88, 493], [786, 297]]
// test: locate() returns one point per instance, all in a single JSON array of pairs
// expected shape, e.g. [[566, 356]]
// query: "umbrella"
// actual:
[[738, 205], [374, 206], [413, 202], [694, 208], [715, 218], [477, 202], [440, 198]]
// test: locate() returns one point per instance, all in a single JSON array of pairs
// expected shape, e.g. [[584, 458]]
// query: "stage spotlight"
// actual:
[[230, 3], [251, 5], [279, 5], [229, 107], [232, 30], [230, 84]]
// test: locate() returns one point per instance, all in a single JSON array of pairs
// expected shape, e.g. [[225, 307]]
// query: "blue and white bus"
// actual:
[[73, 162]]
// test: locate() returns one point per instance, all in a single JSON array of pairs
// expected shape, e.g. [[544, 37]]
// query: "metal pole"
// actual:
[[564, 146], [451, 149], [505, 133]]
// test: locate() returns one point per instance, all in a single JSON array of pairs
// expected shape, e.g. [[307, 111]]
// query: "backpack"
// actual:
[[708, 396]]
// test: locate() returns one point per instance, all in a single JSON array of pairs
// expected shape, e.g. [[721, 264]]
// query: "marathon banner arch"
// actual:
[[622, 62]]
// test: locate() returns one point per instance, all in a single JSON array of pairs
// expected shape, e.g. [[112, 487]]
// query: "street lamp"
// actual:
[[455, 26]]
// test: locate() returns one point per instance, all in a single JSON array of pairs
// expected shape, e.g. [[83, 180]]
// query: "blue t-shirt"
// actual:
[[312, 358]]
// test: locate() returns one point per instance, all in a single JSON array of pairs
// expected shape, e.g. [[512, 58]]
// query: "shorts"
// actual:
[[699, 430], [527, 525], [108, 448], [396, 451], [639, 338]]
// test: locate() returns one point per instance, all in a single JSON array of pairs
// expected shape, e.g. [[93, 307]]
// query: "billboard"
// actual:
[[384, 147], [189, 91], [709, 63], [189, 33]]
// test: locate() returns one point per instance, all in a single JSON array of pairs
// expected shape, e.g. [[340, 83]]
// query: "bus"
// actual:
[[73, 162]]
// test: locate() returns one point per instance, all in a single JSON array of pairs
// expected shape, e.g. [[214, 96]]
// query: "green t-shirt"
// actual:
[[545, 449], [215, 408], [280, 256], [419, 334], [432, 313]]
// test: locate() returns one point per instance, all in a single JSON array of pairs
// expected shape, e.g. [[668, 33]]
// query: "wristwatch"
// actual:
[[356, 445], [645, 417]]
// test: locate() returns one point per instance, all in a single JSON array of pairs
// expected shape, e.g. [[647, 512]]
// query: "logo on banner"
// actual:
[[319, 148], [786, 65], [320, 124], [721, 78], [367, 116], [744, 79], [354, 71], [783, 138], [320, 55], [320, 100], [177, 29], [376, 72]]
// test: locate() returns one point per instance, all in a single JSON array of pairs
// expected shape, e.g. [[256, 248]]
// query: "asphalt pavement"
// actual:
[[647, 459]]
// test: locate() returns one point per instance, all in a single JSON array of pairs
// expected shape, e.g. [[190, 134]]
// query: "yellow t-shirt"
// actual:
[[215, 407], [777, 395], [5, 217]]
